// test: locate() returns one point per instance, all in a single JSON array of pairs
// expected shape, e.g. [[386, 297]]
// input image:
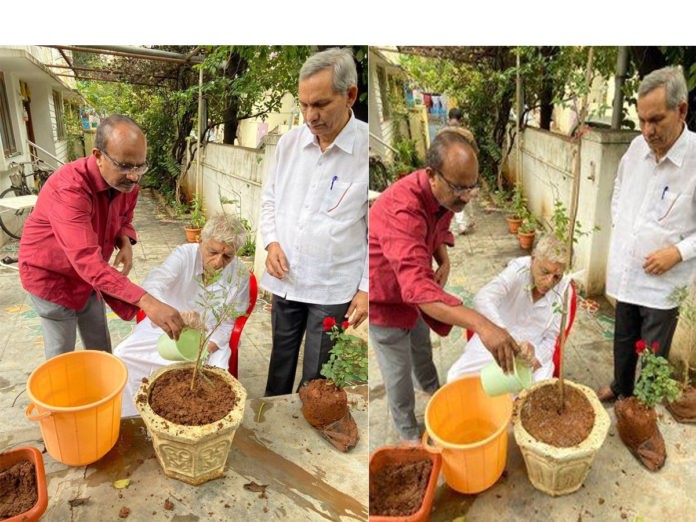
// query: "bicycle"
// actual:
[[12, 217]]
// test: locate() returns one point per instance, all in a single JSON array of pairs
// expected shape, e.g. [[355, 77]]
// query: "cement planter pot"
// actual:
[[192, 454], [559, 471]]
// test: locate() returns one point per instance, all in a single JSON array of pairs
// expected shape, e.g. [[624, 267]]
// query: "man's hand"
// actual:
[[357, 311], [212, 347], [124, 256], [660, 261], [276, 262], [501, 345], [442, 274], [527, 352], [162, 315]]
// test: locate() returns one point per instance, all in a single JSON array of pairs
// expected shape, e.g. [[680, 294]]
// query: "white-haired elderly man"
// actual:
[[525, 299], [177, 282], [314, 221]]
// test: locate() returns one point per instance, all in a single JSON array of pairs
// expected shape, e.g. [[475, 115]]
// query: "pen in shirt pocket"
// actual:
[[335, 178], [664, 191]]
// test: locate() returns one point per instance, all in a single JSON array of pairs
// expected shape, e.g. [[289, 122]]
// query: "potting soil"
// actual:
[[543, 418], [398, 489], [171, 397], [18, 492]]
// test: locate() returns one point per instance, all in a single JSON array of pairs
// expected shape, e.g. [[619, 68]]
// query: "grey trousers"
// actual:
[[290, 320], [404, 355], [59, 325]]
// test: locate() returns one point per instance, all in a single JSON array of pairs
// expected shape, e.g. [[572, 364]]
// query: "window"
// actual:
[[6, 133], [58, 109]]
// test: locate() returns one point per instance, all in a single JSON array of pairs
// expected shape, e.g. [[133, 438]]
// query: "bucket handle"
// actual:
[[30, 408], [427, 447]]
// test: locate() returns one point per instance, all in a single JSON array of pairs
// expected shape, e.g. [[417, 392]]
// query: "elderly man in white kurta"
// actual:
[[177, 282], [314, 221], [526, 300]]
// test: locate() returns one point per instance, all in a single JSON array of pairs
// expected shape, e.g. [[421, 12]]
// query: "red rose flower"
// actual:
[[329, 323], [640, 346], [345, 324], [655, 347]]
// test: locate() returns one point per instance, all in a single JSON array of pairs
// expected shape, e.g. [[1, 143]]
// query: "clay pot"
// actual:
[[526, 239], [33, 455], [403, 456], [193, 235], [323, 402], [513, 223], [559, 471], [192, 454]]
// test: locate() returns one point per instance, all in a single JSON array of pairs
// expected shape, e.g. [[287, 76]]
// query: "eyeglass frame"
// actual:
[[456, 189], [126, 168]]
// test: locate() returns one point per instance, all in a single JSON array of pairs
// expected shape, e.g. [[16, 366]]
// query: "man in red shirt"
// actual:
[[409, 226], [83, 212]]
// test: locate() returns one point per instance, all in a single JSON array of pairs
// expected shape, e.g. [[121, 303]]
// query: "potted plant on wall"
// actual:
[[324, 401], [196, 220], [636, 419], [683, 349], [192, 411]]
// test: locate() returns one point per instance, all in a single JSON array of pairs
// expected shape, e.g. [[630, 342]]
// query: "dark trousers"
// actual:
[[634, 322], [290, 320]]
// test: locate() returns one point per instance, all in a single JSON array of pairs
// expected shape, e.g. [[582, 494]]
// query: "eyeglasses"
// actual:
[[456, 190], [127, 168]]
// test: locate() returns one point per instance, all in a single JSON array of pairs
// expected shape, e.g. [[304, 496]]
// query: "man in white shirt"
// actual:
[[653, 245], [177, 282], [314, 221], [526, 299]]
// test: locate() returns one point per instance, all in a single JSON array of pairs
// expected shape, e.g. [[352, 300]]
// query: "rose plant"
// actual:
[[655, 382], [347, 363]]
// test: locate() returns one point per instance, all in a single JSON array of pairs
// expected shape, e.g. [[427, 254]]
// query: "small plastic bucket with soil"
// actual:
[[78, 399], [22, 485], [402, 483], [470, 430]]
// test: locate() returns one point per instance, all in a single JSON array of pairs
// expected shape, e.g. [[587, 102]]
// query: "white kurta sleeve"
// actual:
[[162, 279], [488, 300]]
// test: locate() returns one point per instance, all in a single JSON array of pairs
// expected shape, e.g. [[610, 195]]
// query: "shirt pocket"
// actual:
[[344, 199], [674, 210]]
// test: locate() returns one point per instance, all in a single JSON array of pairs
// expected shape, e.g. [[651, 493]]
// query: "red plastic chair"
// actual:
[[570, 321], [236, 329]]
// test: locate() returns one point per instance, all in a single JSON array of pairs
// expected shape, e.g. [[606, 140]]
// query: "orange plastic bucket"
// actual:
[[78, 399], [470, 429]]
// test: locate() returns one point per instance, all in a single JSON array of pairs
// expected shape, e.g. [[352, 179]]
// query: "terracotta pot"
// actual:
[[33, 455], [526, 239], [395, 455], [192, 454], [513, 224], [193, 235], [559, 471]]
